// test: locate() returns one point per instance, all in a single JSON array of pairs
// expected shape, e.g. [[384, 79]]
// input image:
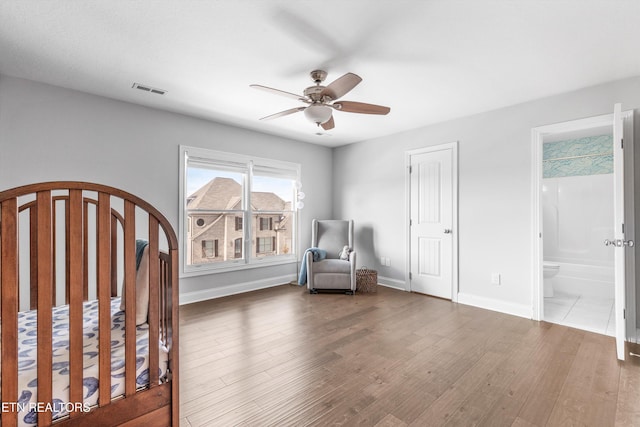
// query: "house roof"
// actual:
[[215, 194], [262, 201], [225, 193]]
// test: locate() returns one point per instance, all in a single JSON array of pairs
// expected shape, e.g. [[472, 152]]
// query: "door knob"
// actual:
[[628, 243], [608, 242], [447, 231]]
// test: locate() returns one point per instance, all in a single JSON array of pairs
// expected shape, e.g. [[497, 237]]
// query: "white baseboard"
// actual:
[[391, 283], [506, 307], [238, 288]]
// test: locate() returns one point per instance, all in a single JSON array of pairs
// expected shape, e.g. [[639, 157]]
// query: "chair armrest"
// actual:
[[309, 262]]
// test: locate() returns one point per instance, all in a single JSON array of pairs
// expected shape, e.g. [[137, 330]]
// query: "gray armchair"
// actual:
[[332, 273]]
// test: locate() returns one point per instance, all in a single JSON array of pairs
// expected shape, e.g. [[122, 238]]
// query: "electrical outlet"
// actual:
[[495, 279], [382, 260], [387, 262]]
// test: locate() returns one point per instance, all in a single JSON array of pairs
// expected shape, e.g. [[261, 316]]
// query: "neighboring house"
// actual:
[[215, 232]]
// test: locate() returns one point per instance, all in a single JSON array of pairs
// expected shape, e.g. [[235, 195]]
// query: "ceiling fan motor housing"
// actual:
[[314, 93]]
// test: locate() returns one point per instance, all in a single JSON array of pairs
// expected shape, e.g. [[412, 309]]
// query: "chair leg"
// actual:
[[313, 291]]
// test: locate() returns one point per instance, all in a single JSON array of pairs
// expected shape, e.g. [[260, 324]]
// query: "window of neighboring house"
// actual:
[[209, 248], [265, 244], [266, 223], [228, 191], [237, 248]]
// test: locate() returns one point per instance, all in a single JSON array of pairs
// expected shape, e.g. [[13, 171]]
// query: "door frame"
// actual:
[[537, 137], [453, 146]]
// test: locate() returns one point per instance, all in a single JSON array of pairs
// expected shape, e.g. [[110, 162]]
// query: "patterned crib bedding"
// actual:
[[27, 358]]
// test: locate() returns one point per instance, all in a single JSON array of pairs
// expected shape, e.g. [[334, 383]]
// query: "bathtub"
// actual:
[[586, 280]]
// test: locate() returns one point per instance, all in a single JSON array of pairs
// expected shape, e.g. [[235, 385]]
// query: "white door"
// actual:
[[619, 243], [431, 223]]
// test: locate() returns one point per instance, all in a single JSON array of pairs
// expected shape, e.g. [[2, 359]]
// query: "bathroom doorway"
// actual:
[[579, 280]]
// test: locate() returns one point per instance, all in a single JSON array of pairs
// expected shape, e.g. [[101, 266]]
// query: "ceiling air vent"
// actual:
[[147, 88]]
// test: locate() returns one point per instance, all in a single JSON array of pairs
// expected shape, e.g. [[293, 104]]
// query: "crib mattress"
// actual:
[[27, 358]]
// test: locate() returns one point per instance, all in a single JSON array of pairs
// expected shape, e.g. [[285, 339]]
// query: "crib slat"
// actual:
[[104, 254], [114, 257], [154, 313], [164, 259], [67, 228], [9, 306], [45, 294], [33, 258], [54, 239], [85, 244], [130, 297], [75, 266]]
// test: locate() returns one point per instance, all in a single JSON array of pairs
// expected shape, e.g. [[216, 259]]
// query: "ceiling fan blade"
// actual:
[[329, 125], [283, 113], [360, 107], [280, 92], [341, 86]]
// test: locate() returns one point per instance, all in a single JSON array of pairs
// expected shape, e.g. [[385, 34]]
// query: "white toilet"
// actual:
[[548, 271]]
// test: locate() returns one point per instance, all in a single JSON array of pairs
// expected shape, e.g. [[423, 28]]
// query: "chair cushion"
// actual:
[[332, 266], [332, 236]]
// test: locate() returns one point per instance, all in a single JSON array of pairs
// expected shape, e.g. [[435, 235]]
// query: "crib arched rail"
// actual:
[[163, 296]]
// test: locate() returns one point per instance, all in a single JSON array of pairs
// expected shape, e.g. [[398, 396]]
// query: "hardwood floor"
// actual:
[[282, 357]]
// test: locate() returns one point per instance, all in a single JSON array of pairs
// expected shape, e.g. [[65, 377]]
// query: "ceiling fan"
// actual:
[[322, 100]]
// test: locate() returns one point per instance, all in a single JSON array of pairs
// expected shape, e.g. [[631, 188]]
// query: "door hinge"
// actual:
[[622, 143], [624, 313], [410, 276], [410, 222], [410, 169]]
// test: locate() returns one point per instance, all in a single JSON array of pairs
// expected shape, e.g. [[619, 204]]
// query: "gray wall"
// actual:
[[50, 133], [495, 187]]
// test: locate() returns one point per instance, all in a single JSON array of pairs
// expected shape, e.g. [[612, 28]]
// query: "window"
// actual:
[[209, 248], [237, 248], [265, 244], [266, 224], [235, 199]]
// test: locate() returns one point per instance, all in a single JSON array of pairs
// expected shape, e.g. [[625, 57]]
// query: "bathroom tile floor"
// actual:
[[582, 312]]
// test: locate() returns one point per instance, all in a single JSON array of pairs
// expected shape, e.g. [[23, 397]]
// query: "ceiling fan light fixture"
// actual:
[[318, 114]]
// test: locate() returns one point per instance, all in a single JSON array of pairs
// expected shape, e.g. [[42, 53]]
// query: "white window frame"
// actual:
[[289, 170]]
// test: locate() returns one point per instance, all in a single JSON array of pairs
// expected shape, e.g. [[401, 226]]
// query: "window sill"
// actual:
[[230, 267]]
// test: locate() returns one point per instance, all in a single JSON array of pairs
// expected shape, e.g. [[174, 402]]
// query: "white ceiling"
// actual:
[[429, 61]]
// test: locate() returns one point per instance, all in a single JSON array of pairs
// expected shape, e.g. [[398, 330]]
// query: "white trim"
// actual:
[[453, 146], [537, 138], [520, 310], [392, 283], [238, 288]]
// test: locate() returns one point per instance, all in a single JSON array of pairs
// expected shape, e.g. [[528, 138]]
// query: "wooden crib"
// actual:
[[89, 231]]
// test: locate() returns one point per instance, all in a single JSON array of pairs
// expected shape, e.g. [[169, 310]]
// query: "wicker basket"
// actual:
[[366, 280]]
